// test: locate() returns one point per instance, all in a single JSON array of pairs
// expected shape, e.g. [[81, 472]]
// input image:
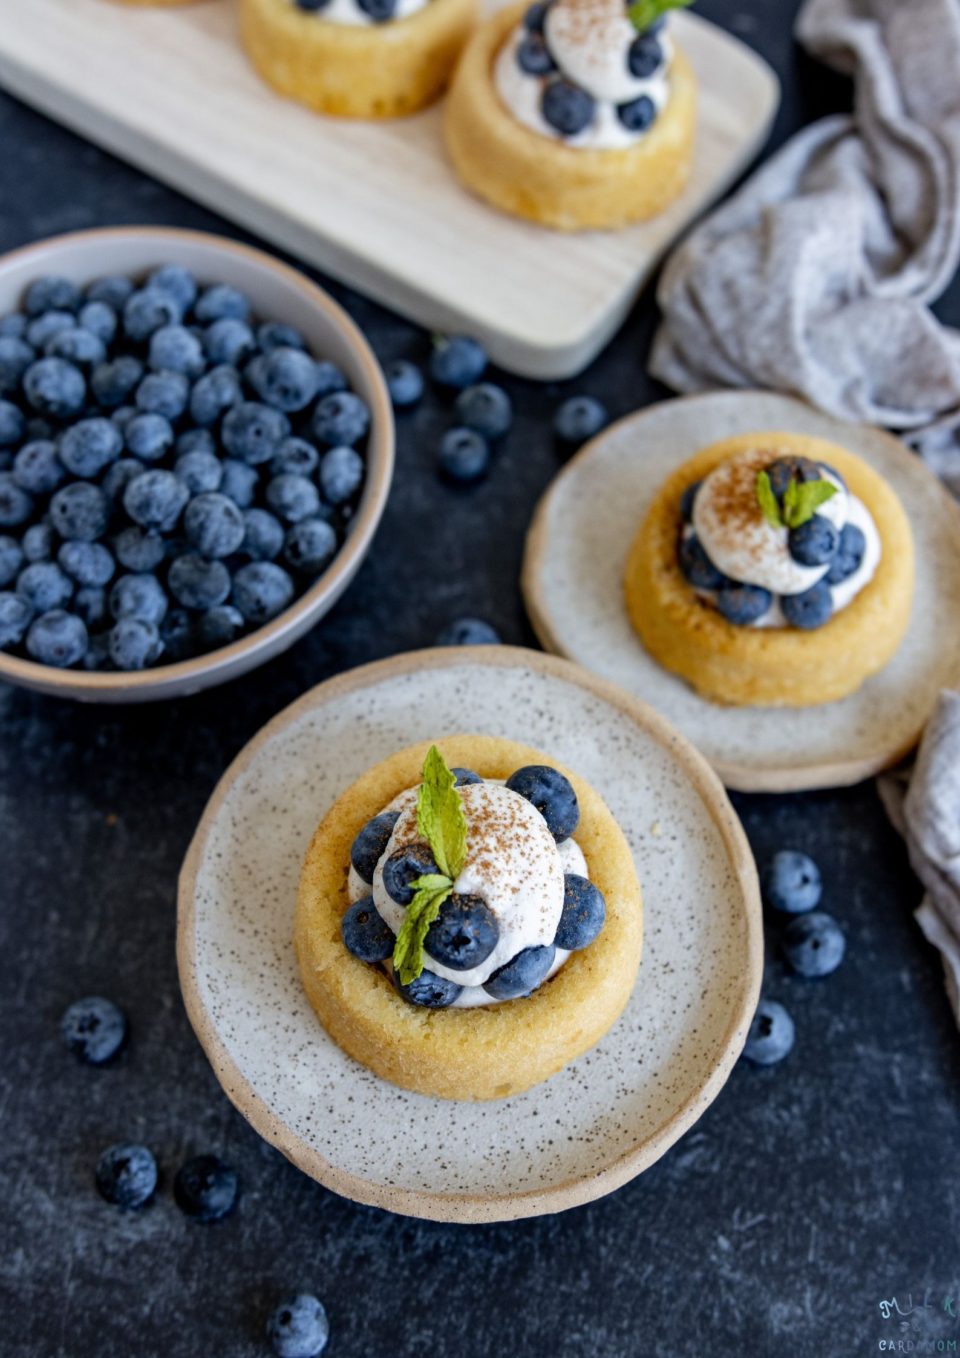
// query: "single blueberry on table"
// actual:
[[552, 794], [813, 944], [100, 319], [404, 382], [687, 501], [156, 499], [206, 1188], [566, 107], [468, 632], [579, 418], [51, 293], [285, 379], [173, 348], [261, 590], [637, 114], [89, 446], [485, 408], [138, 596], [295, 455], [134, 644], [87, 563], [139, 549], [584, 913], [149, 437], [178, 282], [404, 866], [43, 329], [309, 546], [112, 382], [298, 1328], [126, 1175], [15, 618], [213, 524], [113, 291], [11, 560], [147, 311], [80, 510], [366, 935], [39, 541], [771, 1034], [743, 604], [787, 469], [263, 535], [276, 335], [464, 934], [429, 991], [219, 627], [94, 1029], [220, 301], [57, 638], [239, 481], [199, 471], [522, 974], [163, 393], [90, 605], [341, 474], [533, 55], [811, 609], [645, 56], [37, 468], [457, 361], [253, 432], [78, 346], [292, 497], [464, 456], [697, 568], [371, 842], [197, 583], [44, 586], [815, 542], [218, 390], [16, 505], [228, 341], [15, 358], [341, 417], [13, 425], [465, 777], [55, 387], [792, 882], [849, 555]]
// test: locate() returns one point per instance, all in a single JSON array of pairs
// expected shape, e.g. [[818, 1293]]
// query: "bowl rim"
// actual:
[[181, 676]]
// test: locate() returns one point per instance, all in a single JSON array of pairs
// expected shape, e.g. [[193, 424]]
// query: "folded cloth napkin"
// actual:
[[816, 277], [925, 808]]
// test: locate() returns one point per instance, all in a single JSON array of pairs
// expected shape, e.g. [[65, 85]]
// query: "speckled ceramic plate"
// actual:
[[587, 1130], [573, 586]]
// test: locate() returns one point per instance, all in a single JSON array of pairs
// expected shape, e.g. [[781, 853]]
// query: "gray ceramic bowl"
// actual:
[[277, 293]]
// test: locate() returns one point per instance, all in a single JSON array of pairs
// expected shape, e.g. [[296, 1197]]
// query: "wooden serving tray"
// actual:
[[373, 204]]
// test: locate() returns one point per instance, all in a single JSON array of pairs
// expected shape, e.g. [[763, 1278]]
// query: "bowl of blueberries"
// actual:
[[196, 447]]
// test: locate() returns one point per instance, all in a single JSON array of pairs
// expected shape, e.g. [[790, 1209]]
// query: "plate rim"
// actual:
[[735, 776], [469, 1207]]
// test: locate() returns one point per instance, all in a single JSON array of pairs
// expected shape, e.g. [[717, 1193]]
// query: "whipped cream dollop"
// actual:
[[513, 863], [742, 544], [351, 12], [588, 43]]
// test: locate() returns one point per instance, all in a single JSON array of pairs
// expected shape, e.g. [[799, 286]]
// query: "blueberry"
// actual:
[[138, 596], [365, 935], [370, 844], [848, 558], [292, 497], [645, 56], [687, 501], [284, 378], [163, 393], [341, 474], [261, 590], [155, 500], [341, 417], [217, 391], [743, 604], [39, 541], [579, 418], [37, 469], [295, 455], [584, 913], [13, 426], [149, 437], [298, 1328], [44, 586], [16, 505], [112, 382], [118, 477], [637, 114], [126, 1175], [811, 609], [57, 638], [330, 378], [464, 456], [178, 282], [522, 974], [813, 944], [378, 10], [90, 606], [205, 1188], [15, 616], [94, 1029], [404, 383], [485, 408], [113, 291], [213, 524], [552, 794], [11, 560], [55, 387], [77, 345], [239, 481], [262, 535], [566, 107], [429, 991], [134, 643], [80, 510], [147, 311], [815, 542], [771, 1034], [173, 348], [696, 566], [199, 471], [404, 866], [228, 341], [792, 882], [196, 583], [220, 301], [787, 469], [275, 335], [15, 358], [49, 293], [178, 634], [100, 319], [468, 632], [533, 55], [464, 934], [253, 432], [309, 546], [87, 563], [89, 446], [45, 327], [139, 549], [219, 627], [534, 17], [13, 325], [457, 361], [196, 441], [465, 777]]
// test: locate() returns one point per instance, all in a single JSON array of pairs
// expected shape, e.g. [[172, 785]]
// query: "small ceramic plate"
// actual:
[[573, 586], [587, 1130]]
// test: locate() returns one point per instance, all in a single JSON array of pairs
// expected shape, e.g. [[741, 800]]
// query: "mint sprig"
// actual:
[[767, 501], [801, 500], [643, 13], [441, 822]]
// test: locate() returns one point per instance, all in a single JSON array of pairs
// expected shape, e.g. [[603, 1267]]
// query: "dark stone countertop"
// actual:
[[807, 1194]]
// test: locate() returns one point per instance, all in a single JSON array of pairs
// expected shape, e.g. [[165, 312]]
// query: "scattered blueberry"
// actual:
[[522, 974], [341, 417], [552, 794], [464, 934], [341, 474], [771, 1034], [811, 609], [370, 844], [404, 382], [457, 361], [298, 1327], [94, 1029], [468, 632], [566, 107], [206, 1188], [429, 991], [213, 524], [743, 604], [813, 944], [261, 590], [848, 558], [464, 455], [579, 418], [584, 913], [792, 882], [309, 546], [485, 408], [365, 934], [126, 1175], [57, 638], [404, 866]]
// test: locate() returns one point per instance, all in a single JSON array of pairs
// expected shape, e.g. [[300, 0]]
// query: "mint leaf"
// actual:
[[768, 501], [803, 499], [643, 13], [440, 817], [432, 891]]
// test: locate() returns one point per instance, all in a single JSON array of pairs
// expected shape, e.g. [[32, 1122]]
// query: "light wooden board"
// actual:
[[374, 204]]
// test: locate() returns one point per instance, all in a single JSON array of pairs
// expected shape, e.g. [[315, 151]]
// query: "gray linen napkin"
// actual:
[[816, 278]]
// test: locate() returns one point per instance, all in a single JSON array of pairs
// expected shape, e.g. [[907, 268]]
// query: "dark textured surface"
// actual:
[[807, 1195]]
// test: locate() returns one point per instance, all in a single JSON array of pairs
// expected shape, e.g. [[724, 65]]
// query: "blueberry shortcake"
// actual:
[[772, 569], [469, 919], [577, 114], [357, 58]]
